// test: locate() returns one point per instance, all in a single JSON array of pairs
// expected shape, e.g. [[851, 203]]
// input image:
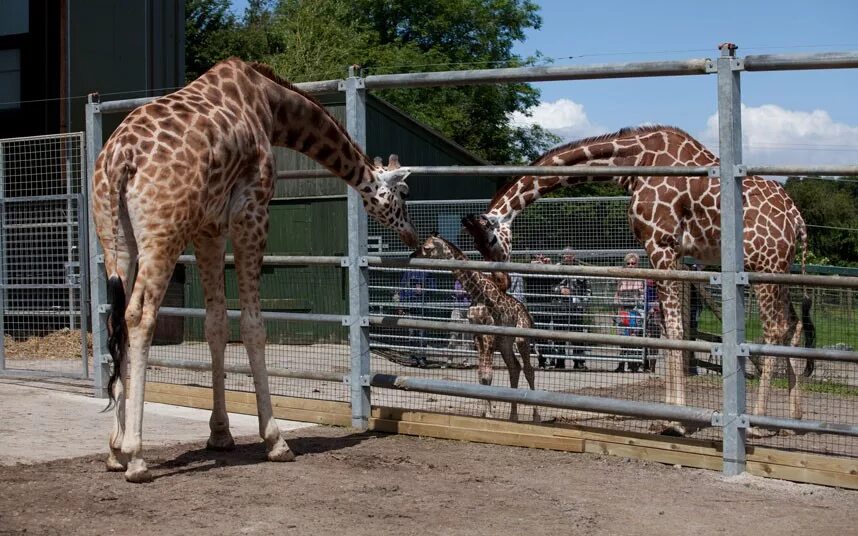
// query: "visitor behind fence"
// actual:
[[629, 299], [539, 303], [458, 340], [412, 298], [572, 295]]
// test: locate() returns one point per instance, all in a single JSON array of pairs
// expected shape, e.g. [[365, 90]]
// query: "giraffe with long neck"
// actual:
[[673, 217], [490, 305], [196, 166]]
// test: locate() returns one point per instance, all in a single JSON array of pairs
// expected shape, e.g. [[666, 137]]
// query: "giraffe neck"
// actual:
[[302, 124], [477, 285], [644, 146]]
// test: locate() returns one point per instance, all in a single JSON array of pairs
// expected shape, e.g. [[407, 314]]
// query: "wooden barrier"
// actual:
[[703, 454]]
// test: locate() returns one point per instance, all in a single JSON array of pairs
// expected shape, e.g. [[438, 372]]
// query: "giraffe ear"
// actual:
[[393, 162], [378, 162]]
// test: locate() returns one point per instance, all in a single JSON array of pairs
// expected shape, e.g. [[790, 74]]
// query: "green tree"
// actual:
[[830, 209], [318, 39]]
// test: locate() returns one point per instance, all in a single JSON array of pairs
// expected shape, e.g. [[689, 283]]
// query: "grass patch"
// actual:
[[831, 388]]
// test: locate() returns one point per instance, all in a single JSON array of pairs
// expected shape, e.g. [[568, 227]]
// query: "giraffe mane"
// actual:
[[625, 131], [268, 72], [457, 253]]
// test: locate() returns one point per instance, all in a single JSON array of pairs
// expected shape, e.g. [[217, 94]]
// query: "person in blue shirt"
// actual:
[[412, 297]]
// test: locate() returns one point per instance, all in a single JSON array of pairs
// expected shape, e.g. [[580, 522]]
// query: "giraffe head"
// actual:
[[384, 198], [492, 236], [434, 247]]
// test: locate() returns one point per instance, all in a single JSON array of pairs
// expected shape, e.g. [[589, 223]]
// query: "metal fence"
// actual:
[[43, 281], [718, 400]]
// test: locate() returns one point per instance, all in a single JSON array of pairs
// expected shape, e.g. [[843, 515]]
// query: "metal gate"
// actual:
[[44, 283]]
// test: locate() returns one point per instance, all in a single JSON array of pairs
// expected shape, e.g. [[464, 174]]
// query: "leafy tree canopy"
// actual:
[[308, 40], [830, 209]]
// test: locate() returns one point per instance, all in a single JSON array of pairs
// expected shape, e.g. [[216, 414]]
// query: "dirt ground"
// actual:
[[361, 483], [368, 484]]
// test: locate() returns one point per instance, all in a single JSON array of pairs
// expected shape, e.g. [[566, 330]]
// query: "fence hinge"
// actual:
[[740, 170], [104, 308], [737, 64], [743, 350], [718, 420], [710, 66], [99, 259], [364, 380], [105, 359], [717, 351]]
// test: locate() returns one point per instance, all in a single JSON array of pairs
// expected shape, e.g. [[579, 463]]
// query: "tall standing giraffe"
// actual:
[[197, 166], [490, 305], [673, 217]]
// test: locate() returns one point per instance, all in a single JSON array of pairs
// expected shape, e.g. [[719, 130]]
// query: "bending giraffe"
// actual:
[[490, 305], [673, 217], [197, 167]]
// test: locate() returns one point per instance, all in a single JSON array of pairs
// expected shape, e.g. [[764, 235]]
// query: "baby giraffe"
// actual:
[[491, 305]]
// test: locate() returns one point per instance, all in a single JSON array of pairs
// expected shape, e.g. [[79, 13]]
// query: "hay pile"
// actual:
[[61, 344]]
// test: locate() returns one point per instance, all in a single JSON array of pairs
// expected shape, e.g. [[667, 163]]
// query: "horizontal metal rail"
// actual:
[[266, 315], [797, 62], [126, 105], [814, 171], [561, 171], [528, 268], [279, 372], [280, 260], [823, 354], [609, 271], [571, 336], [633, 408], [540, 74], [804, 279], [820, 427]]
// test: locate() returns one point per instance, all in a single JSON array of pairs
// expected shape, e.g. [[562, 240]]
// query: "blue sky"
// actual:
[[789, 117]]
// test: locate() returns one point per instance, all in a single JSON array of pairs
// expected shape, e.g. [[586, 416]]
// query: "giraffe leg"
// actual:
[[116, 461], [248, 230], [514, 368], [210, 261], [478, 314], [156, 266], [523, 346], [773, 301], [675, 382]]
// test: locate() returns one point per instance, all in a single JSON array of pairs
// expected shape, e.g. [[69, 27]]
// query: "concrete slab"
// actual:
[[42, 421]]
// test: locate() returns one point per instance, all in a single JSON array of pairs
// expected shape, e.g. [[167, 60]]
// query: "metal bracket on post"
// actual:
[[363, 321], [364, 380], [742, 421], [710, 67], [741, 279]]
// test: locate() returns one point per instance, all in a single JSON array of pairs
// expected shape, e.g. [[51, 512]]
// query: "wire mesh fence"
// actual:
[[596, 305], [42, 243]]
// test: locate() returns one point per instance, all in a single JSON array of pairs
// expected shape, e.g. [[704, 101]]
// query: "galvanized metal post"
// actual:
[[98, 283], [2, 258], [358, 270], [83, 257], [733, 277]]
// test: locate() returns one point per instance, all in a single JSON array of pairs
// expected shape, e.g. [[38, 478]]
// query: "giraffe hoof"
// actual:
[[137, 472], [220, 441], [116, 461], [674, 429], [281, 453]]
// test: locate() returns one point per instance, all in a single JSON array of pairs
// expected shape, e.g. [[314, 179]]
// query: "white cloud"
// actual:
[[775, 135], [563, 117]]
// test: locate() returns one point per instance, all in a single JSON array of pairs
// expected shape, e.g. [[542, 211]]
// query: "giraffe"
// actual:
[[673, 217], [196, 166], [491, 305]]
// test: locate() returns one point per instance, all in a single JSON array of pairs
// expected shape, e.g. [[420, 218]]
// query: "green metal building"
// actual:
[[308, 217]]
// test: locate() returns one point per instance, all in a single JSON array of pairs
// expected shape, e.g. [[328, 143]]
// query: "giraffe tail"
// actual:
[[117, 340], [806, 303]]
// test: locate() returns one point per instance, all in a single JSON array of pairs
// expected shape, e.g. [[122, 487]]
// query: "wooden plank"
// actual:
[[705, 454], [801, 474], [477, 436], [686, 459]]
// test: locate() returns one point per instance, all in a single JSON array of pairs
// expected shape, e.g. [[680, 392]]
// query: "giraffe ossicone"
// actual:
[[197, 166], [673, 217]]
